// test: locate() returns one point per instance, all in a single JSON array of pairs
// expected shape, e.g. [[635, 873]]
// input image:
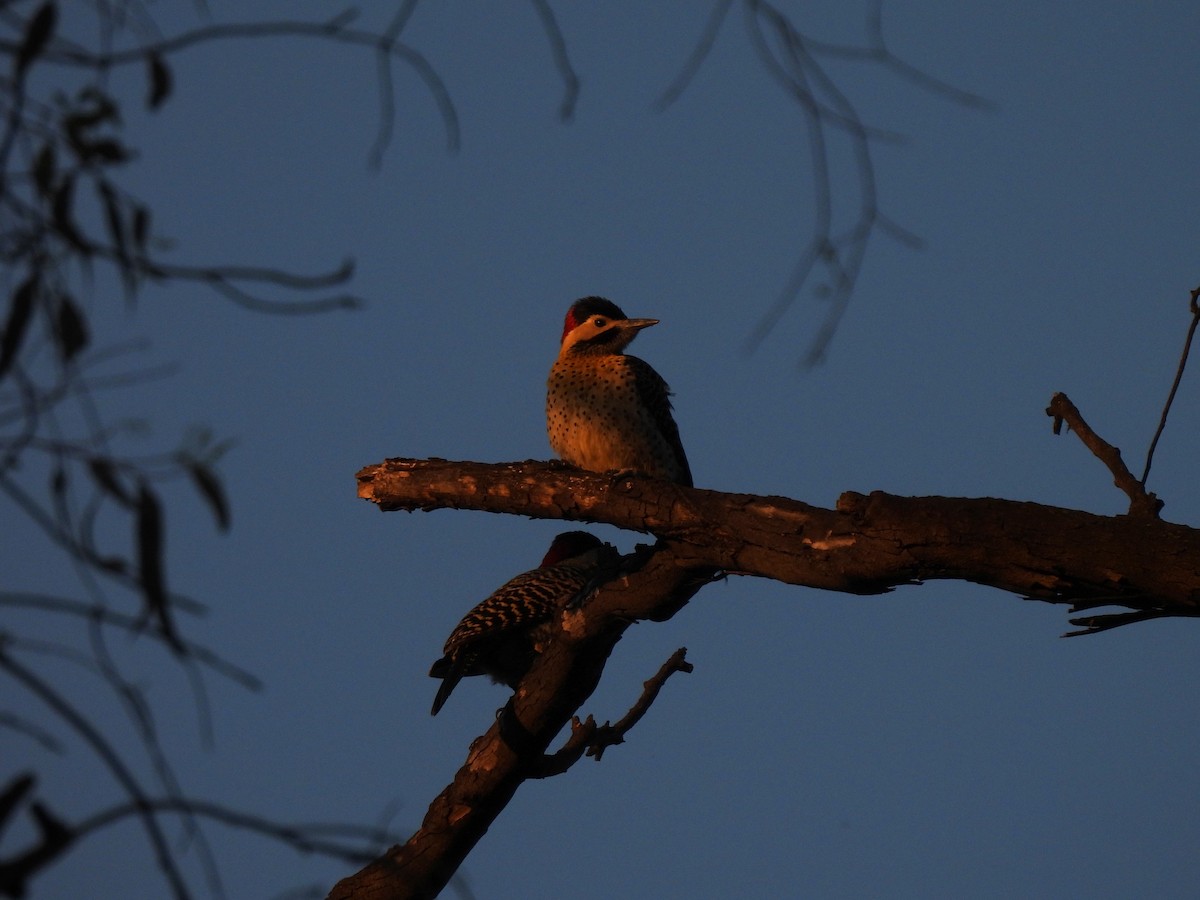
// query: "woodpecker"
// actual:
[[502, 635], [607, 411]]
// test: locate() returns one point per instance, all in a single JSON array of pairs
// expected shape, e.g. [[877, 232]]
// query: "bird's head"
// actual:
[[570, 545], [596, 325]]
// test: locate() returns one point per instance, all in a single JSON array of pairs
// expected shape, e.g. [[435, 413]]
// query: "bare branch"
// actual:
[[591, 739], [562, 60], [120, 772], [227, 280], [1141, 503], [54, 837], [387, 102], [868, 545], [708, 37], [303, 838], [877, 51], [32, 730], [335, 29], [865, 545], [820, 103], [1096, 624], [57, 836], [610, 735], [514, 748], [1194, 305], [795, 61]]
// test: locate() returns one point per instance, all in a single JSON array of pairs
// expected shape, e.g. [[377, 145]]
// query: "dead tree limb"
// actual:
[[867, 545]]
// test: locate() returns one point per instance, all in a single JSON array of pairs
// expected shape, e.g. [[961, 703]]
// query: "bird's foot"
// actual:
[[616, 476]]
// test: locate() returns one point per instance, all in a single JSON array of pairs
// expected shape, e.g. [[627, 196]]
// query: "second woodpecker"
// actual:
[[503, 634], [606, 411]]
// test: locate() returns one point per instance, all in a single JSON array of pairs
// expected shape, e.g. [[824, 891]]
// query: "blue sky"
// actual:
[[939, 741]]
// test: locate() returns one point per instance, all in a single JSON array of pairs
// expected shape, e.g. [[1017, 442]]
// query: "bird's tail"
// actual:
[[451, 672]]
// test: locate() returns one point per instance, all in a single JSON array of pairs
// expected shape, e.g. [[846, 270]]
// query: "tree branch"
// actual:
[[588, 738], [867, 545], [1194, 307], [120, 772], [1141, 503], [514, 748]]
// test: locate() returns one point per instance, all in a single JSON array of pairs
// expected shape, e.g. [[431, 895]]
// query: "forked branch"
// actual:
[[868, 544], [514, 748], [589, 739]]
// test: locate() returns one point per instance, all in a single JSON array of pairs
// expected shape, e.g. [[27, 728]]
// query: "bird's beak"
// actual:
[[638, 324]]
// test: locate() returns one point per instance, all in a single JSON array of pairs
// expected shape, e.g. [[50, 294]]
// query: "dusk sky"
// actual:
[[937, 741]]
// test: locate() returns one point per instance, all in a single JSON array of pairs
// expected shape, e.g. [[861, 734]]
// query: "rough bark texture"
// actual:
[[867, 545]]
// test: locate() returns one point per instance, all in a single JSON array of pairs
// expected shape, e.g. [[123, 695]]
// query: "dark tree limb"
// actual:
[[514, 748], [867, 545]]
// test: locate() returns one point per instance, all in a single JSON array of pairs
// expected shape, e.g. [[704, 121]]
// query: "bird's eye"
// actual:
[[599, 322]]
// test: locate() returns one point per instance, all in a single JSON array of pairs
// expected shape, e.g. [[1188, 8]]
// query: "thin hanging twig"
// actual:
[[1187, 346]]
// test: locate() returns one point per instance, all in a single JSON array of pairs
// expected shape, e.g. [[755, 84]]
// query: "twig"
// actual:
[[608, 735], [1097, 624], [795, 60], [1141, 503], [1187, 346], [108, 755], [383, 62], [304, 838], [588, 738], [696, 59], [821, 103], [54, 838], [876, 50], [562, 59], [335, 30]]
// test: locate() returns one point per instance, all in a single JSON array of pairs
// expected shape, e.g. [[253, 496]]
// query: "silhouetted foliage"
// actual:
[[77, 243]]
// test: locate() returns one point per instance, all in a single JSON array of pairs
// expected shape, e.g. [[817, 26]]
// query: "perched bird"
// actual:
[[607, 411], [502, 636]]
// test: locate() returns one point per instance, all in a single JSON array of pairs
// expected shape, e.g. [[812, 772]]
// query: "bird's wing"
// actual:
[[657, 396], [526, 600]]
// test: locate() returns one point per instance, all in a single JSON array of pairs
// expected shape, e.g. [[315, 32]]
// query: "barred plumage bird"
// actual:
[[502, 635], [606, 411]]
